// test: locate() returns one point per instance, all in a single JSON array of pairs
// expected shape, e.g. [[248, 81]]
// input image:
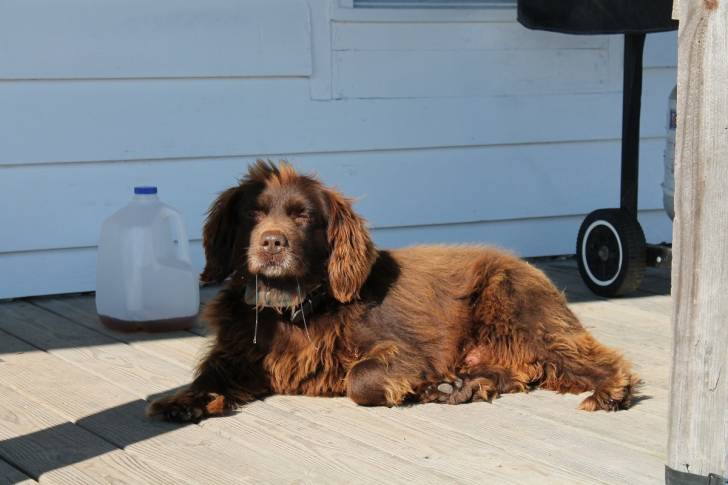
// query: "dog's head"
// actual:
[[282, 226]]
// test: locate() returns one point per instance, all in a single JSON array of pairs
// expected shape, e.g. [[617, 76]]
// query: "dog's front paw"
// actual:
[[448, 391], [186, 407], [460, 391]]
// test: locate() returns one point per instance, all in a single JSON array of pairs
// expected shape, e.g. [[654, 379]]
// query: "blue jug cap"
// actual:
[[145, 189]]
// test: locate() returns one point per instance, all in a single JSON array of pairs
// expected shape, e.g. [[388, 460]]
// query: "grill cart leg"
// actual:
[[631, 105], [610, 249]]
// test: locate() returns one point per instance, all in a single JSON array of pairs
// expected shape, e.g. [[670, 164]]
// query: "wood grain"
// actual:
[[334, 452], [698, 424], [533, 439], [430, 445]]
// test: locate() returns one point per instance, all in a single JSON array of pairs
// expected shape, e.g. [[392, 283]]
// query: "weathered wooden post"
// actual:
[[698, 427]]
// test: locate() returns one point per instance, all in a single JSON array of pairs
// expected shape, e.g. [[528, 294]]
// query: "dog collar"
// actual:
[[301, 305]]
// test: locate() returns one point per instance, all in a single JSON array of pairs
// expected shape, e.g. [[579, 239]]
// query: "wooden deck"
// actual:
[[72, 398]]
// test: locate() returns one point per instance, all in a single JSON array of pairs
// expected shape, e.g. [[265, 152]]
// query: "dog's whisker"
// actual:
[[257, 310], [303, 313]]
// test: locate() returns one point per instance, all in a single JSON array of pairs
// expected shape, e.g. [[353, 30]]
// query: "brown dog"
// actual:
[[312, 307]]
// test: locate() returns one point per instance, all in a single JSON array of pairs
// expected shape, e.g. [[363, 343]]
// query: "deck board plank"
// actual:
[[653, 295], [533, 439], [339, 450], [54, 450], [622, 440], [183, 348], [104, 356], [429, 444]]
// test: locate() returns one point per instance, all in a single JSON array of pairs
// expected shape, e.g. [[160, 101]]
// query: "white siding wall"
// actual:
[[449, 126]]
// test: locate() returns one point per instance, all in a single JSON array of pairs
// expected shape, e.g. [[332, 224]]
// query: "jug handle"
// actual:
[[183, 245]]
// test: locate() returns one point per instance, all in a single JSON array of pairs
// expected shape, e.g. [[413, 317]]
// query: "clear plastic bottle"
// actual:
[[144, 278]]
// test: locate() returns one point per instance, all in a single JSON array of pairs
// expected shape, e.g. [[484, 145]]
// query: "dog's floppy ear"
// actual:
[[221, 235], [352, 251]]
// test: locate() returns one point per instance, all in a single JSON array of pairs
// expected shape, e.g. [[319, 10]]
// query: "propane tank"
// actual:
[[668, 183]]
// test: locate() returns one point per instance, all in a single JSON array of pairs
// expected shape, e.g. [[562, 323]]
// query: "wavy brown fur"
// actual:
[[396, 323]]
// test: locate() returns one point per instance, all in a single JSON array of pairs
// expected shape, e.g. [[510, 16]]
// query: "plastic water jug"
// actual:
[[144, 278]]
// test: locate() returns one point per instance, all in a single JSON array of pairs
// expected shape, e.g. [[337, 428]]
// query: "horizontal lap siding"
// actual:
[[444, 131], [392, 188], [70, 121], [424, 74], [47, 39], [428, 36]]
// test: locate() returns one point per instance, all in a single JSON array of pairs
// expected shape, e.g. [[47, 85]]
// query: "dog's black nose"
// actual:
[[273, 241]]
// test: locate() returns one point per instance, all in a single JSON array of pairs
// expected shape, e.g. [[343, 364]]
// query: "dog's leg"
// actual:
[[366, 384], [219, 387], [574, 362], [583, 364], [372, 383], [385, 377], [527, 327]]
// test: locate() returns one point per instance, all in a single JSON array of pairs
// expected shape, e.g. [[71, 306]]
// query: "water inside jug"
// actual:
[[144, 276]]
